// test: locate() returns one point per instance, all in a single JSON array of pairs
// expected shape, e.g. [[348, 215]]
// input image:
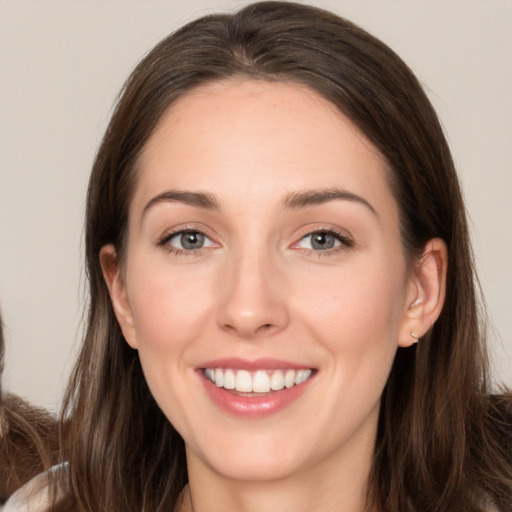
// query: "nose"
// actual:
[[252, 298]]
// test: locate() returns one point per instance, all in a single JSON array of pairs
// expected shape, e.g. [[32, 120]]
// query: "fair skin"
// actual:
[[292, 259]]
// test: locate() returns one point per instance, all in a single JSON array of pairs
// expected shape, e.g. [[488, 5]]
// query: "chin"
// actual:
[[257, 467], [257, 457]]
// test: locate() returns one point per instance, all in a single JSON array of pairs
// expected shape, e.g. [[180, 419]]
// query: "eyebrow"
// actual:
[[198, 199], [316, 197], [294, 200]]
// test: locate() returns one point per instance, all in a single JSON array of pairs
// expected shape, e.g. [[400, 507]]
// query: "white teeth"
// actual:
[[261, 381], [277, 381], [219, 378], [229, 379], [243, 382], [289, 378], [302, 375]]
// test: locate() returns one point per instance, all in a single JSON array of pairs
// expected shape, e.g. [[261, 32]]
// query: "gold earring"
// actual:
[[415, 336]]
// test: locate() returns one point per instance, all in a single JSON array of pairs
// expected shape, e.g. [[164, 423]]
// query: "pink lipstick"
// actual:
[[254, 388]]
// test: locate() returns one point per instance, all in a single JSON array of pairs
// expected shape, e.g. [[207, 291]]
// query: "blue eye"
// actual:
[[188, 240], [323, 241]]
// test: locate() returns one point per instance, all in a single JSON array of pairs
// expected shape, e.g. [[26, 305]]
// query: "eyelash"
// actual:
[[164, 242], [345, 242]]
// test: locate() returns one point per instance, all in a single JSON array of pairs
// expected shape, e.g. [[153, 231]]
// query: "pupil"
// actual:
[[322, 241], [192, 240]]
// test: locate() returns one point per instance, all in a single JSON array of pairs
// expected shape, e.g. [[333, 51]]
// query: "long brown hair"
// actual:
[[442, 439], [29, 440]]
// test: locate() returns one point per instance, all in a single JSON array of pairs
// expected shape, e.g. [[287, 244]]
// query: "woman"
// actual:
[[283, 313]]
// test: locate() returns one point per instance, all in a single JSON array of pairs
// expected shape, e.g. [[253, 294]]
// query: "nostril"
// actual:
[[265, 329]]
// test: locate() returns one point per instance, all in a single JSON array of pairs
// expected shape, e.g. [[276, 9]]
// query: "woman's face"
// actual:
[[264, 250]]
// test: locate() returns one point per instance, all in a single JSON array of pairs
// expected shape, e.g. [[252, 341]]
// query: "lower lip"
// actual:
[[253, 406]]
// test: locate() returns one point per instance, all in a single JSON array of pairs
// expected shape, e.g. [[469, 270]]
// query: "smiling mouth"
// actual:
[[260, 381]]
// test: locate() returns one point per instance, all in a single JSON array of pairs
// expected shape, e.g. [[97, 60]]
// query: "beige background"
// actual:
[[61, 66]]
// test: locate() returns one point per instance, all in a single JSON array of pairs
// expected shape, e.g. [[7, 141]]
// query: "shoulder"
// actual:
[[36, 495]]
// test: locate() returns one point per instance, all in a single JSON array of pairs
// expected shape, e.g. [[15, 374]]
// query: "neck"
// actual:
[[336, 484]]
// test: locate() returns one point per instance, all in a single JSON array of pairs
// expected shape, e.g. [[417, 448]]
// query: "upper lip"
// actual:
[[263, 363]]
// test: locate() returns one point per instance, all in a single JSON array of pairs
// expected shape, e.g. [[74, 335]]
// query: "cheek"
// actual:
[[169, 310], [355, 304], [355, 316], [167, 307]]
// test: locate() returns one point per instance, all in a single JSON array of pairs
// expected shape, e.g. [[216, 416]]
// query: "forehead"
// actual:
[[257, 137]]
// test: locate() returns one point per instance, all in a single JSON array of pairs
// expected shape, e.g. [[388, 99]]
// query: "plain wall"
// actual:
[[61, 66]]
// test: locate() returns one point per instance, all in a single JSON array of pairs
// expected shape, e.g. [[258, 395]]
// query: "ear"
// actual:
[[426, 293], [118, 294]]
